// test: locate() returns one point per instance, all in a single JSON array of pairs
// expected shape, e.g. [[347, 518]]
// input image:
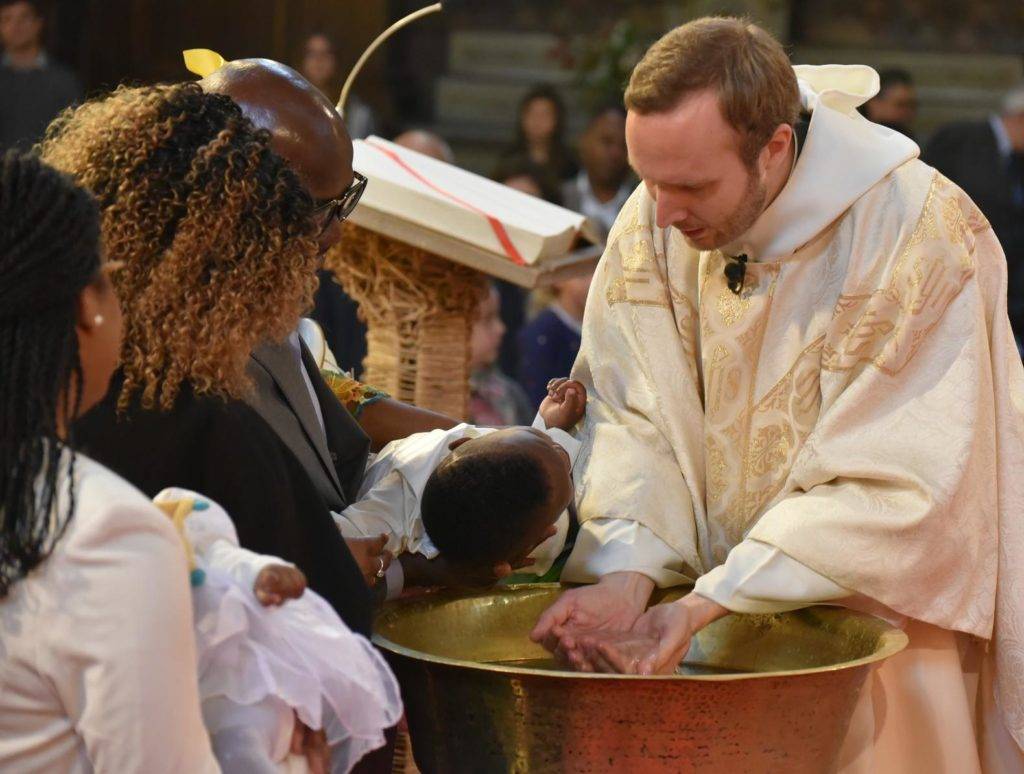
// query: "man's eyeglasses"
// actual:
[[340, 208]]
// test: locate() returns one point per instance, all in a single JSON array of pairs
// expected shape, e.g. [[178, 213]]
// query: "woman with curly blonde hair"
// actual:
[[218, 239]]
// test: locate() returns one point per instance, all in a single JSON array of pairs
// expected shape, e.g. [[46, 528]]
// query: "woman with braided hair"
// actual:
[[97, 658]]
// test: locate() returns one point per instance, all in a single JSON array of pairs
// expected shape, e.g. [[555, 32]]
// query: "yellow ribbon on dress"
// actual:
[[203, 61], [178, 511]]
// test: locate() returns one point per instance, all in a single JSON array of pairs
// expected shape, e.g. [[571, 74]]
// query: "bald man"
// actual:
[[427, 143], [307, 131]]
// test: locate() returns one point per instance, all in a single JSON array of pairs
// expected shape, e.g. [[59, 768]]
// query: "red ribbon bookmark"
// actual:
[[496, 225]]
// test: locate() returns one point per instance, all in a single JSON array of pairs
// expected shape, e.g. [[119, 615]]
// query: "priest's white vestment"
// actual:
[[849, 427]]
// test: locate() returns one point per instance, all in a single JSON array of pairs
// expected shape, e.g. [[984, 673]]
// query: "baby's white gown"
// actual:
[[258, 665]]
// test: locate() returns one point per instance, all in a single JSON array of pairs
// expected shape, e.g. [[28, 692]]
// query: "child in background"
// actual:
[[549, 343], [494, 398], [469, 505], [273, 654], [525, 177]]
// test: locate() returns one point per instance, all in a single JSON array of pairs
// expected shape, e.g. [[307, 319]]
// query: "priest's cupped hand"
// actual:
[[611, 605], [656, 642]]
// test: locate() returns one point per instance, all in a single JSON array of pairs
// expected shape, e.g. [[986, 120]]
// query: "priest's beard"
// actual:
[[752, 204]]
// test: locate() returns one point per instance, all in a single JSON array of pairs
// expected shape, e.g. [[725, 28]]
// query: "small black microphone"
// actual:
[[735, 271]]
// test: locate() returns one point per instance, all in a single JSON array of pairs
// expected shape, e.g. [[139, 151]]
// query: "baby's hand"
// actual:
[[564, 405], [277, 583]]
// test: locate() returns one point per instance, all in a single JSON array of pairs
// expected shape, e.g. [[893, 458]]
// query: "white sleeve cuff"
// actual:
[[760, 578], [241, 564], [605, 546], [394, 579]]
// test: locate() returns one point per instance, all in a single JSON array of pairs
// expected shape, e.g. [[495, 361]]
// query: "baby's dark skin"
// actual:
[[563, 409], [564, 406], [277, 583]]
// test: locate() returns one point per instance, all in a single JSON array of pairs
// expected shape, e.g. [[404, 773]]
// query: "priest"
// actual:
[[804, 389]]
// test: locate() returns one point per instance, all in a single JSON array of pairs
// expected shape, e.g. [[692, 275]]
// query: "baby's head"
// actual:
[[497, 497]]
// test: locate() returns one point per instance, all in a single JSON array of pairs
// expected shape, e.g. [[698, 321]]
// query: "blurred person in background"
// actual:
[[428, 143], [335, 312], [986, 159], [524, 176], [895, 105], [604, 183], [320, 67], [494, 398], [540, 136], [548, 345], [33, 88]]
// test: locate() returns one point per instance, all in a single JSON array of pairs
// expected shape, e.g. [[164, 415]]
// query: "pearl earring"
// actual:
[[97, 320]]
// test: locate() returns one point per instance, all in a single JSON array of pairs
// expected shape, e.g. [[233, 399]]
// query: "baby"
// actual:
[[273, 654], [469, 505]]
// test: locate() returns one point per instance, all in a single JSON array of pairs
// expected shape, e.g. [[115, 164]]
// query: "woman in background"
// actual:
[[97, 657], [320, 67], [540, 137]]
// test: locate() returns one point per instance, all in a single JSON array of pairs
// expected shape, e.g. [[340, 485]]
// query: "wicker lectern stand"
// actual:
[[418, 309]]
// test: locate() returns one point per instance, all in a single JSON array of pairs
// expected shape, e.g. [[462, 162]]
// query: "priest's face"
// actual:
[[689, 159]]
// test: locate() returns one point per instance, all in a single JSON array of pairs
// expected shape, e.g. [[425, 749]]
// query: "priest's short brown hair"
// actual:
[[756, 86]]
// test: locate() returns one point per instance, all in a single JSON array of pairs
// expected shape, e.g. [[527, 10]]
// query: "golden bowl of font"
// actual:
[[756, 693]]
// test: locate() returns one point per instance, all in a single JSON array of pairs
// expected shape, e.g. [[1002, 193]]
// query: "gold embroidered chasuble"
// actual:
[[859, 406]]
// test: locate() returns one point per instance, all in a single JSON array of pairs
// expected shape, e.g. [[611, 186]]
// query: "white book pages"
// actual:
[[427, 197]]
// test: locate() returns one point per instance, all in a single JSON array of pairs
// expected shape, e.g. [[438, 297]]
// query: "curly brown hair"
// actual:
[[215, 232]]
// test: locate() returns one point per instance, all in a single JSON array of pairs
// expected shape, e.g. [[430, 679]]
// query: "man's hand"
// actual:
[[612, 604], [564, 406], [658, 640], [371, 557], [276, 583]]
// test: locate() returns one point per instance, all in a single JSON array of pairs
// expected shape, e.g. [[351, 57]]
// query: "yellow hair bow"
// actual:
[[203, 61]]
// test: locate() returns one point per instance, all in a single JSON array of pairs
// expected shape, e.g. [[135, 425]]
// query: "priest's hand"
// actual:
[[658, 640], [613, 604]]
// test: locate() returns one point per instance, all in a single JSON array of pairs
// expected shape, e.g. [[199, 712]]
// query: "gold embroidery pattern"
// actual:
[[715, 461], [779, 424], [639, 257], [955, 222], [731, 307], [616, 292], [630, 225], [887, 327], [732, 350], [769, 450]]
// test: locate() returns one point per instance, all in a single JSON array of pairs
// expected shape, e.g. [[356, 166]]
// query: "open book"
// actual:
[[469, 219]]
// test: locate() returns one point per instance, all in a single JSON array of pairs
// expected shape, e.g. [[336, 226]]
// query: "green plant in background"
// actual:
[[606, 59]]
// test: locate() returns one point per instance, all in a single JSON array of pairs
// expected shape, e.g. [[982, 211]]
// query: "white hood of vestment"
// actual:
[[844, 155]]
